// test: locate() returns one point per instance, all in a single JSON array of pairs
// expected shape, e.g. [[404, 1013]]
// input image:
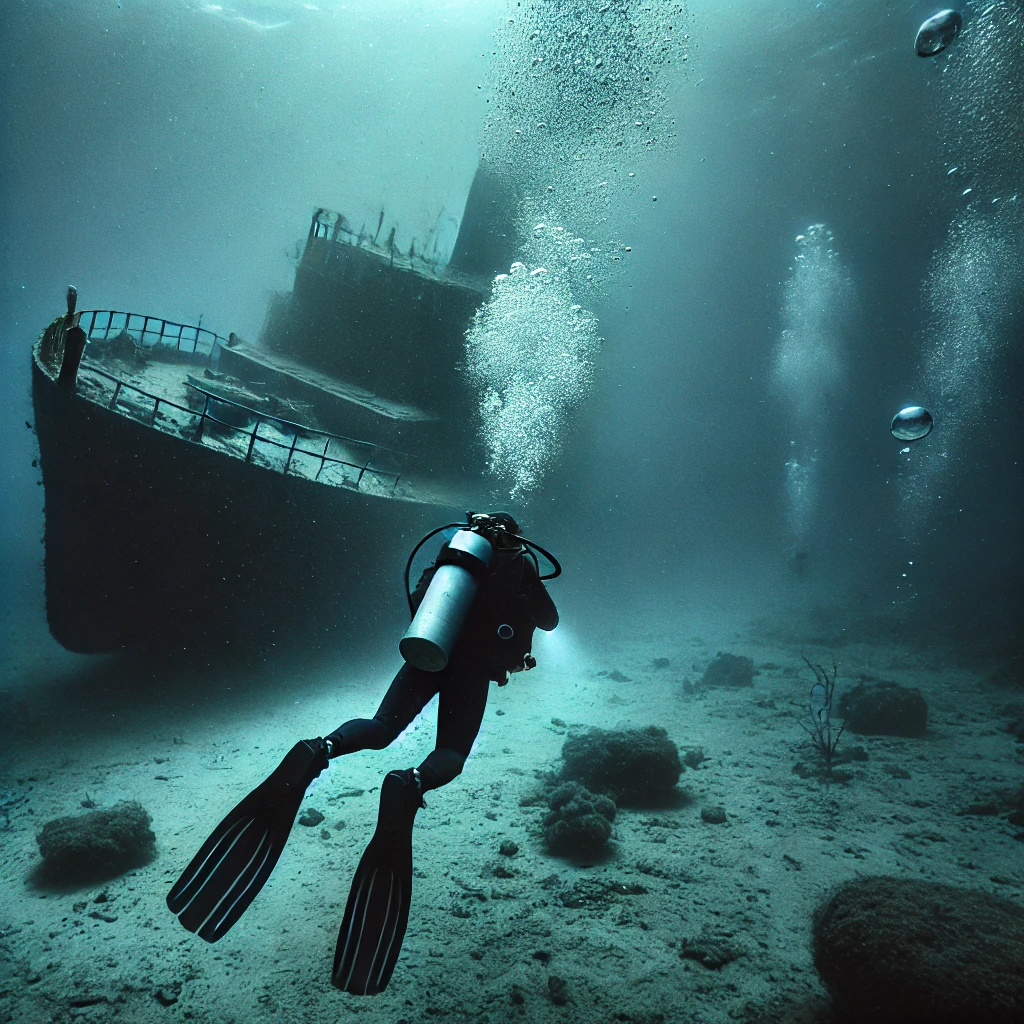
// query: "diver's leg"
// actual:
[[461, 710], [409, 692]]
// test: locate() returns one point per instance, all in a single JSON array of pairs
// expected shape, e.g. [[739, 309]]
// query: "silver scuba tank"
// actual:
[[435, 628]]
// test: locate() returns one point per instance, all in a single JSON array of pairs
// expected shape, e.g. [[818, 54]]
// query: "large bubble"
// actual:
[[937, 33], [911, 423]]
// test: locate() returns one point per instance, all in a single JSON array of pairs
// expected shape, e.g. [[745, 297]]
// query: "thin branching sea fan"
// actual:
[[820, 702]]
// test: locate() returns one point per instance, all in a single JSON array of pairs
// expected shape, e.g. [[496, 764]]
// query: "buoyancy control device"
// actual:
[[462, 565]]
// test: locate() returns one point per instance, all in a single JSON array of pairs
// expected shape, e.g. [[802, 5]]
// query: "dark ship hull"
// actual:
[[207, 511], [151, 541]]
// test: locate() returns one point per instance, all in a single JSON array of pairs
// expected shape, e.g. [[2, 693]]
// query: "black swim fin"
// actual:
[[378, 905], [236, 861]]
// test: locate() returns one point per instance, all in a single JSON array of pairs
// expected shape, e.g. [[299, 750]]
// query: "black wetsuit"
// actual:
[[511, 592]]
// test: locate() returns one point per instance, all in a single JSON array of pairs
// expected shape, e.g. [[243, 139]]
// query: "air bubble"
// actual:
[[937, 33], [912, 423]]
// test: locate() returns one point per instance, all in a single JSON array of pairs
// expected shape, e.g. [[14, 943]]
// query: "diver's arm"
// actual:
[[542, 608]]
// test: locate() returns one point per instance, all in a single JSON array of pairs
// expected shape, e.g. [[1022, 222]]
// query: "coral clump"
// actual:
[[900, 950], [98, 844], [729, 670], [580, 822], [884, 709], [637, 766]]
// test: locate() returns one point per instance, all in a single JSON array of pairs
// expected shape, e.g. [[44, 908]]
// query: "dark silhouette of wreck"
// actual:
[[204, 491]]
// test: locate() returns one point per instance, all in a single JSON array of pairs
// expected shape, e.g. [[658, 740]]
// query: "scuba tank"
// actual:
[[435, 627], [437, 623]]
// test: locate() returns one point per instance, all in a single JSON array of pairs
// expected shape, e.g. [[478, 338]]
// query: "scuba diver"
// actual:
[[474, 614]]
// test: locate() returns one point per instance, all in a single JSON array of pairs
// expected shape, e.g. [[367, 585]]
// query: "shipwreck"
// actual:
[[201, 490]]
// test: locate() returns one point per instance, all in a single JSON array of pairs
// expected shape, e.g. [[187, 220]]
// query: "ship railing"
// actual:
[[147, 331], [355, 471], [331, 232]]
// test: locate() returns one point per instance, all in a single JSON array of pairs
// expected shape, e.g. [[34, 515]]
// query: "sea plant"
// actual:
[[823, 739]]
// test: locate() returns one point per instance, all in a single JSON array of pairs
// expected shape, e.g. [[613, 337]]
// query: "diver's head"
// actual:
[[501, 528]]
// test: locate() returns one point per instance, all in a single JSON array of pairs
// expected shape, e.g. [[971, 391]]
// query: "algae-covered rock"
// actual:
[[98, 844], [729, 670], [710, 949], [636, 765], [901, 950], [884, 709], [580, 822]]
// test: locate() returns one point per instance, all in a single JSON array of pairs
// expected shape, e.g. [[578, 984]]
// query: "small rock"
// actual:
[[558, 723], [167, 995], [499, 712], [508, 848], [324, 834], [104, 916], [695, 757], [558, 990], [310, 817], [660, 663], [542, 955], [711, 951], [896, 771], [517, 996], [713, 815], [729, 670], [618, 677], [982, 809], [500, 871]]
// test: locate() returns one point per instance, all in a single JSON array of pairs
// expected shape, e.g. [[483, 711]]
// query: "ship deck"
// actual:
[[147, 375]]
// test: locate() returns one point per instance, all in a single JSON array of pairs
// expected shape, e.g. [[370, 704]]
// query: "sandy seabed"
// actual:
[[188, 743]]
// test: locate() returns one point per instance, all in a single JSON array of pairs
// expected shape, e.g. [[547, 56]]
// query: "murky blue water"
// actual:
[[720, 247]]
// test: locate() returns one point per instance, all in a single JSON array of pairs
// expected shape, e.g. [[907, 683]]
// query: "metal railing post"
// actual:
[[252, 441], [291, 452], [202, 419]]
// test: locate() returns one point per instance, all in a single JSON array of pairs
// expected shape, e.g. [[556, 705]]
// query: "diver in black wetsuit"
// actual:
[[494, 640], [479, 603], [511, 595]]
